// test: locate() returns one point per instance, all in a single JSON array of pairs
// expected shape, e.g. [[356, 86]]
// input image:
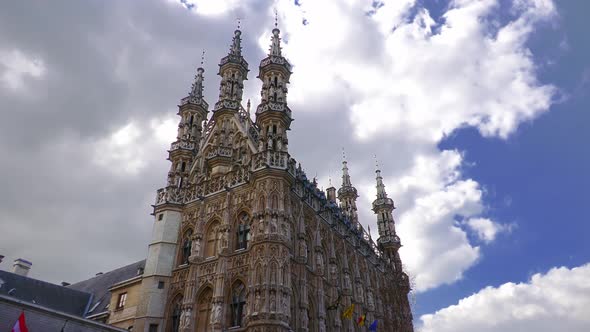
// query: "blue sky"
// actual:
[[476, 109], [538, 178]]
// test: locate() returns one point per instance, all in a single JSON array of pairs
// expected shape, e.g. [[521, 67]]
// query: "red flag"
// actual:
[[20, 325]]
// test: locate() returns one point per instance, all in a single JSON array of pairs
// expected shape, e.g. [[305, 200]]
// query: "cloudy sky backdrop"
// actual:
[[476, 109]]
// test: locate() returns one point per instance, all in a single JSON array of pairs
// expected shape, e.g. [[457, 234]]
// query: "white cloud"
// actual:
[[485, 229], [555, 301], [127, 150], [16, 66], [213, 7]]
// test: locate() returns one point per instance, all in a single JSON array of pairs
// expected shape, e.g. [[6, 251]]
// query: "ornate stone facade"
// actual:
[[244, 241]]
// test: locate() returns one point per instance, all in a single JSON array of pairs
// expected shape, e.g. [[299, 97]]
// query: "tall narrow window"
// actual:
[[211, 249], [238, 301], [175, 314], [204, 310], [121, 301], [243, 231]]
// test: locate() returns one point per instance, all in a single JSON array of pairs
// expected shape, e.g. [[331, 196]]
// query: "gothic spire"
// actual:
[[301, 225], [381, 194], [318, 237], [274, 72], [236, 45], [347, 194], [275, 45], [332, 250], [233, 70], [196, 93], [345, 176]]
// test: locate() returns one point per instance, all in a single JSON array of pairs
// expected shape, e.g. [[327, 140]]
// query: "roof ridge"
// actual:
[[108, 272]]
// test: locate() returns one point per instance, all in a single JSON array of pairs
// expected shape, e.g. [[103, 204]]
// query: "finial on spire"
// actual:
[[248, 107], [380, 186], [196, 93], [239, 21], [345, 176], [236, 45], [275, 46]]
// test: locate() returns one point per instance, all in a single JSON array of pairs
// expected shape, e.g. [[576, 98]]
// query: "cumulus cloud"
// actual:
[[487, 230], [555, 301], [16, 67]]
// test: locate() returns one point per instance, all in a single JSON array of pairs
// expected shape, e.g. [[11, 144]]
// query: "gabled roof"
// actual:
[[56, 297], [100, 284]]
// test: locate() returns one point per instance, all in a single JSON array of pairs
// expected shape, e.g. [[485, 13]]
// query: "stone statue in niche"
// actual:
[[319, 262], [303, 249], [261, 229], [370, 300], [185, 318], [257, 302], [260, 145], [196, 247], [304, 318], [346, 281], [333, 271], [225, 239], [273, 225], [273, 302]]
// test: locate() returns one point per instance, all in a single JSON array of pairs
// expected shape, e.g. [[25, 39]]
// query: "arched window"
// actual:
[[273, 273], [204, 310], [238, 302], [243, 231], [212, 238], [186, 247], [175, 312]]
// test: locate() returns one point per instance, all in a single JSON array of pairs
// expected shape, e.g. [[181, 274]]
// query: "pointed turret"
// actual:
[[193, 111], [233, 70], [273, 116], [383, 207], [347, 194]]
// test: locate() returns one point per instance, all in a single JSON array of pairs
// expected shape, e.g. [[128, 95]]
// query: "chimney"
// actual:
[[21, 267], [331, 193]]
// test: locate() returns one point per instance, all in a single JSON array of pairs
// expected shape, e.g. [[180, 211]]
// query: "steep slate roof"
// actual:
[[56, 297], [99, 285]]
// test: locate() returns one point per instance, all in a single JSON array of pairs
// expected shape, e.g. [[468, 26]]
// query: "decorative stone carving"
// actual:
[[185, 319]]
